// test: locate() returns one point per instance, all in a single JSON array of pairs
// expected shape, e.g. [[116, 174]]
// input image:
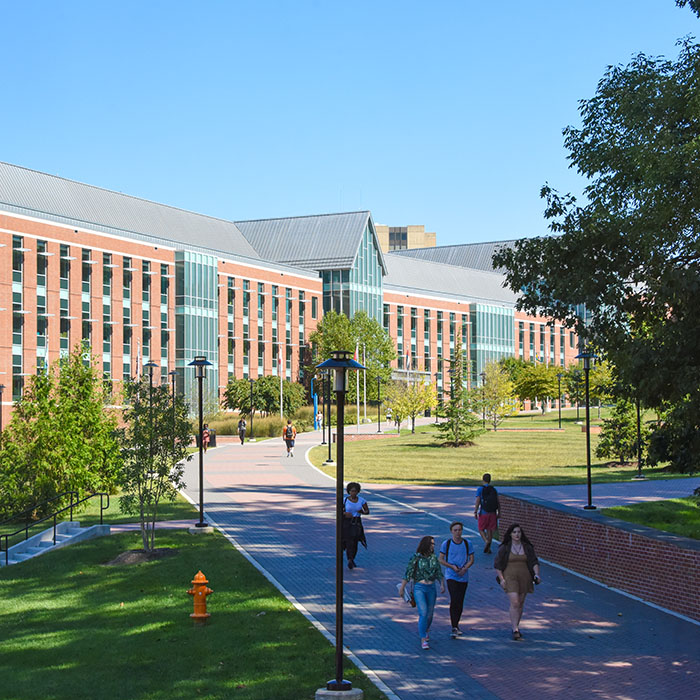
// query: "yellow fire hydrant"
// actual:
[[199, 593]]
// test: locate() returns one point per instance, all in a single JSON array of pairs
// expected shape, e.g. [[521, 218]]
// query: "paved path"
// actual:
[[582, 640]]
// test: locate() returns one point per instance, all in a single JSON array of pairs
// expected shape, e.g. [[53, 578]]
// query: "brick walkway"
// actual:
[[581, 640]]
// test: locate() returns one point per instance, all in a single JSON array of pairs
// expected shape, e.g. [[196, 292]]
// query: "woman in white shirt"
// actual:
[[354, 506]]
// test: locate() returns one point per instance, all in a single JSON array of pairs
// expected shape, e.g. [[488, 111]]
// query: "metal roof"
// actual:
[[476, 256], [319, 242], [415, 277], [51, 197]]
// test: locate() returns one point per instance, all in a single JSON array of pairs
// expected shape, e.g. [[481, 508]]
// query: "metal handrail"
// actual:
[[54, 516], [31, 509]]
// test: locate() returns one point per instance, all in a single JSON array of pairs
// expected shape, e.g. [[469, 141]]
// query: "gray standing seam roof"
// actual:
[[475, 256], [320, 242], [413, 276], [43, 195]]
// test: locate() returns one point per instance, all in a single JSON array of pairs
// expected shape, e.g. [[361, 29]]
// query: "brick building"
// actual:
[[143, 281]]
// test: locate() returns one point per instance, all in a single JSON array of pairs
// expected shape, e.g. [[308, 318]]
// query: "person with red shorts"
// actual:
[[486, 511]]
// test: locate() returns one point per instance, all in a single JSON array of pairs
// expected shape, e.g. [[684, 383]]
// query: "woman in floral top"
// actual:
[[424, 570]]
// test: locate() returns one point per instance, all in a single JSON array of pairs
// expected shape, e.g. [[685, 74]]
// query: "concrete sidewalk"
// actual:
[[581, 639]]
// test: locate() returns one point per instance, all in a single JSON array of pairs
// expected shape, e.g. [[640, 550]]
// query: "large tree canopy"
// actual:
[[631, 253]]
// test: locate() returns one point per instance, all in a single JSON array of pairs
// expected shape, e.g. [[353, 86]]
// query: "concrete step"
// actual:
[[66, 533]]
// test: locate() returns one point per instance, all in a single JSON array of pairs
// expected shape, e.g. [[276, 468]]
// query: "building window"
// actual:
[[314, 307]]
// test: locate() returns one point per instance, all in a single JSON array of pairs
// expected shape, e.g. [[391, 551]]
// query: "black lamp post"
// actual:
[[559, 376], [483, 399], [173, 376], [587, 357], [341, 361], [324, 380], [2, 388], [437, 407], [379, 404], [639, 441], [200, 364], [252, 434], [329, 461]]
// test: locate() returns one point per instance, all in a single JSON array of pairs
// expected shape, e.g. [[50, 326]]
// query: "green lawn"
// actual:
[[681, 516], [514, 457], [72, 627]]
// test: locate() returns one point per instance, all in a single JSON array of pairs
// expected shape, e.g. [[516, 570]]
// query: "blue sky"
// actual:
[[447, 114]]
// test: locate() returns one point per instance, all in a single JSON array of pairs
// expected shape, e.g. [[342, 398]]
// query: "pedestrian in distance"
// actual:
[[242, 426], [206, 436], [486, 511], [457, 556], [424, 570], [517, 567], [289, 435], [319, 420], [354, 507]]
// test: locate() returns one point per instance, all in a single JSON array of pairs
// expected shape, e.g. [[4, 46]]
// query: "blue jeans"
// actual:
[[425, 595]]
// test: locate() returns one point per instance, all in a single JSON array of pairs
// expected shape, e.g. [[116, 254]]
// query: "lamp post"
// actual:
[[379, 405], [341, 361], [173, 376], [324, 380], [639, 441], [2, 388], [437, 407], [329, 462], [252, 434], [200, 364], [587, 357], [483, 399], [559, 376]]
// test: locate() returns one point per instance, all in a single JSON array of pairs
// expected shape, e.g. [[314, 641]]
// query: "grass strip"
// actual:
[[513, 457], [73, 627], [680, 516]]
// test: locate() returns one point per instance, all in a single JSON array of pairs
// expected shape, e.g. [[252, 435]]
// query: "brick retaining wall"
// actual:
[[656, 566]]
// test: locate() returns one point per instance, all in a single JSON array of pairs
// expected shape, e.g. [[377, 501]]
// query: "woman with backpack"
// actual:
[[289, 435], [517, 567], [242, 426], [354, 507], [424, 570]]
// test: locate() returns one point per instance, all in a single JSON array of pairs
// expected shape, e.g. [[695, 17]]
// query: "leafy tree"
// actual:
[[497, 395], [601, 383], [629, 254], [694, 5], [462, 424], [410, 400], [237, 396], [338, 332], [514, 366], [537, 381], [618, 437], [61, 437], [575, 386], [266, 395], [154, 442]]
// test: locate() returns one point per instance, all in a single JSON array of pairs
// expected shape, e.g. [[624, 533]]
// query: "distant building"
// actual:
[[393, 238], [143, 281]]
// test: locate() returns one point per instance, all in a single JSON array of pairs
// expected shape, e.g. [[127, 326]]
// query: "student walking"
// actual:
[[486, 511], [289, 435], [354, 507], [424, 570], [206, 437], [457, 556], [242, 426], [517, 567]]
